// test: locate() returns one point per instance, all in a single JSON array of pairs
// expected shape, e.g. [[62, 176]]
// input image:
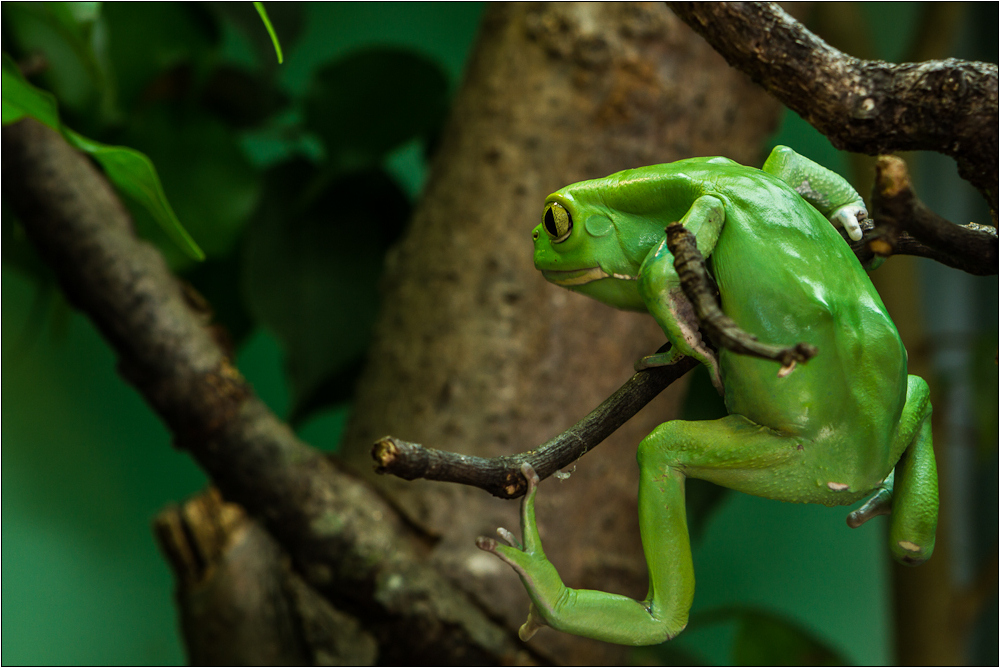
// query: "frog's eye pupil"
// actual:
[[557, 222], [550, 223]]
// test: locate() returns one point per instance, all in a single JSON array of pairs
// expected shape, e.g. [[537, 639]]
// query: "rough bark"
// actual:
[[475, 352], [240, 601], [865, 106]]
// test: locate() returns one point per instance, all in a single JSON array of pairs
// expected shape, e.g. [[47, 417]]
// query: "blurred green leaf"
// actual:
[[17, 251], [310, 273], [764, 639], [130, 171], [365, 104], [149, 41], [65, 35], [21, 99], [218, 281], [240, 98], [270, 30], [214, 187], [985, 393]]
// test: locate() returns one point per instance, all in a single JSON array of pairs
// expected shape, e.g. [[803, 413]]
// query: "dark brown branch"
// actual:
[[723, 331], [343, 538], [907, 245], [864, 106], [896, 210], [501, 476]]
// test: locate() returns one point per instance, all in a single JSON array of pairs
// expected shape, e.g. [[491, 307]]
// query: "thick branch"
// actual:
[[240, 601], [344, 539], [864, 106], [896, 209]]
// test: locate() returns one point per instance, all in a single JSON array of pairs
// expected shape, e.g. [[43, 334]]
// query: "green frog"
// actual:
[[847, 425]]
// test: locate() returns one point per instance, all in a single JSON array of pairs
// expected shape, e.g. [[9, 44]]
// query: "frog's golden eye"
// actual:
[[557, 222]]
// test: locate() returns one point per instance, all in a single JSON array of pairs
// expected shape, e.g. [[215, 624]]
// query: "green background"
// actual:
[[86, 466]]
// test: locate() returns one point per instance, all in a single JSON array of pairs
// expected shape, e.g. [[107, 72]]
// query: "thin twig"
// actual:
[[501, 476], [724, 332]]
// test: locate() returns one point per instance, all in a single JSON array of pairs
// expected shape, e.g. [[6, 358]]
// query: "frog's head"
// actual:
[[585, 246]]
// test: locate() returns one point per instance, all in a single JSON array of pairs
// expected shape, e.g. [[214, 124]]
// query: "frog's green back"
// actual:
[[786, 275]]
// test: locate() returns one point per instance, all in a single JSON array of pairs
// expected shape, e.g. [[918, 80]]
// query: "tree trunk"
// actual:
[[474, 352]]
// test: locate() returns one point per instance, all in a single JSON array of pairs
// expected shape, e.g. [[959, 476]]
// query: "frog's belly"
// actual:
[[839, 420]]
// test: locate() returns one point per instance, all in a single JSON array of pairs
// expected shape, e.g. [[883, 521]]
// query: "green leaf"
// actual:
[[64, 34], [130, 171], [158, 49], [214, 188], [310, 274], [133, 173], [21, 99], [764, 639], [368, 103], [270, 30]]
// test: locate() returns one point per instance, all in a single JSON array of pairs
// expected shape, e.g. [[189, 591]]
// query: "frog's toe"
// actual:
[[528, 471], [509, 537], [530, 627], [487, 544], [849, 217], [879, 504], [510, 555], [910, 553]]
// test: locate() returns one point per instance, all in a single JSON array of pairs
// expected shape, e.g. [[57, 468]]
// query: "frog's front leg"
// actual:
[[828, 191], [660, 288], [593, 614]]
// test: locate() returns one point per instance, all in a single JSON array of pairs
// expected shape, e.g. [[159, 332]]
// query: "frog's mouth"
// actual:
[[574, 276], [579, 276]]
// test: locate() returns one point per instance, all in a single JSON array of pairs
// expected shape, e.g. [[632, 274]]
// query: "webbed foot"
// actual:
[[537, 573], [658, 359], [879, 504], [850, 218]]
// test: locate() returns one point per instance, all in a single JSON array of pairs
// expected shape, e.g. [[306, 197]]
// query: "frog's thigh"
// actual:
[[732, 451], [915, 498]]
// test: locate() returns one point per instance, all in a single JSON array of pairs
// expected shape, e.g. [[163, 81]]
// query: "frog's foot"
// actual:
[[535, 619], [659, 359], [850, 218], [531, 625], [539, 576], [879, 504]]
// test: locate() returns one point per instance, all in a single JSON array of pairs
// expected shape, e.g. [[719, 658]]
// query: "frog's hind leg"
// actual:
[[915, 493], [909, 494], [732, 451]]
